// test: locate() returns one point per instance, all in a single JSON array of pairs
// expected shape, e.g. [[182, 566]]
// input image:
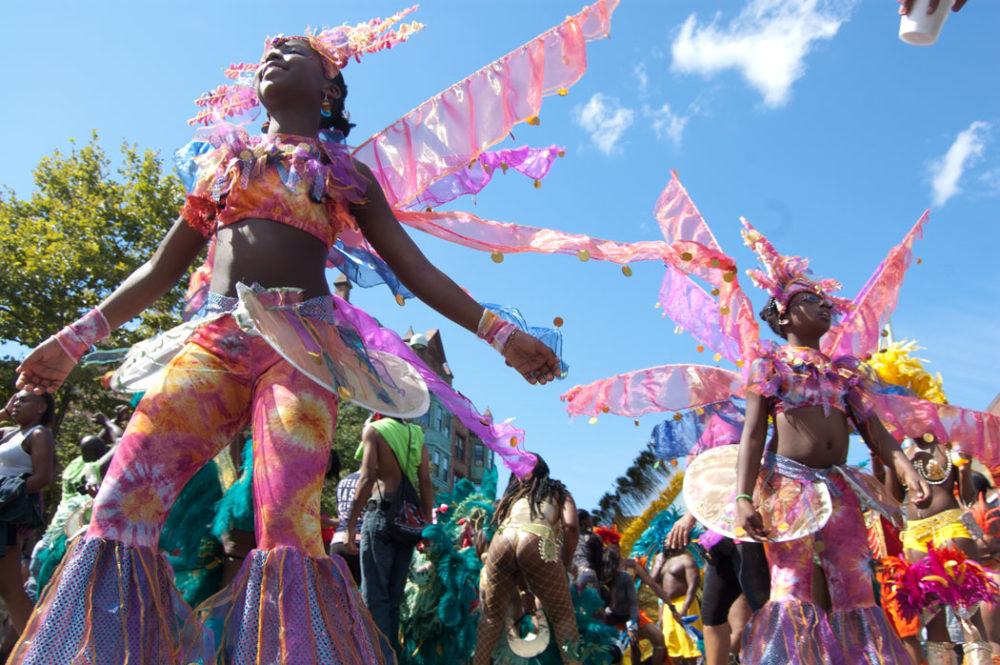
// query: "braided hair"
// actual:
[[537, 487], [772, 317]]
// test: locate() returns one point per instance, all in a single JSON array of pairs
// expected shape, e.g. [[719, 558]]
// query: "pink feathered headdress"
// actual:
[[784, 276], [336, 46]]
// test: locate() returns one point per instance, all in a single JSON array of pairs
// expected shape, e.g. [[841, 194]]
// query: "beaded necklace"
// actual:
[[931, 471]]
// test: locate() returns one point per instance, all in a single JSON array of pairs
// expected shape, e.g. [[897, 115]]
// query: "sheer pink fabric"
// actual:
[[725, 322], [449, 130], [464, 228], [731, 329], [657, 389], [858, 333], [531, 162]]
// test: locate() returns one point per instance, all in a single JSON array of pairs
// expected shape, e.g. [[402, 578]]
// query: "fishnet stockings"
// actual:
[[517, 552]]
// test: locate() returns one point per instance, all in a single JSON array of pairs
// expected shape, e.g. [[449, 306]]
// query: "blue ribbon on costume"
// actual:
[[675, 438], [185, 164], [550, 337], [365, 268]]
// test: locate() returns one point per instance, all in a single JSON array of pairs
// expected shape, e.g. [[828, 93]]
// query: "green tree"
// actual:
[[66, 247], [350, 421]]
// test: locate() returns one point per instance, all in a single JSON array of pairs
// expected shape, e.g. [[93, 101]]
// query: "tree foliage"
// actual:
[[642, 479], [83, 230], [67, 246]]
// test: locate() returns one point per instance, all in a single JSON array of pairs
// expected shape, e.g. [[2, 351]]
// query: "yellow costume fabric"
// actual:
[[679, 642], [936, 530]]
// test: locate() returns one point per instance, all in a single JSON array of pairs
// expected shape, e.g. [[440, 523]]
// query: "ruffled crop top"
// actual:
[[301, 182], [793, 377]]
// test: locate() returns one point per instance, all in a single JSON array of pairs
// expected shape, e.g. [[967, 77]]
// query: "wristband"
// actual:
[[742, 496], [494, 330], [83, 333]]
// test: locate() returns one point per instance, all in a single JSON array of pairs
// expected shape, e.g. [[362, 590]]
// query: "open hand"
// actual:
[[532, 359], [680, 533], [45, 368], [919, 489]]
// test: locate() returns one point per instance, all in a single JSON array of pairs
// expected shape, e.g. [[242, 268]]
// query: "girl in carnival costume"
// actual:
[[276, 211], [706, 399], [811, 398]]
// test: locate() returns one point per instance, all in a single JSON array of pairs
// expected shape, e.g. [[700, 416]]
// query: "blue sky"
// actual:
[[811, 119]]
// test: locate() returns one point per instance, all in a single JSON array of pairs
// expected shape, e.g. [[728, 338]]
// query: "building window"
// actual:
[[444, 468], [446, 424], [439, 419], [479, 457], [460, 447], [436, 460]]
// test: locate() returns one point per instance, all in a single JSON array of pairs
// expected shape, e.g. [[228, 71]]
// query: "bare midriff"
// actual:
[[812, 437], [271, 254]]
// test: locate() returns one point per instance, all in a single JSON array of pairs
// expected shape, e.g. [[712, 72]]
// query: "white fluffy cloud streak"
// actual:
[[666, 123], [947, 171], [767, 43], [606, 120]]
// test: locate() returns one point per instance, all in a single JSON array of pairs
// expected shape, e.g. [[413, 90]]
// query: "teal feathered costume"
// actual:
[[439, 614], [187, 540]]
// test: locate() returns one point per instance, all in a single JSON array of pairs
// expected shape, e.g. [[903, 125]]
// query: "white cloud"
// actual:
[[640, 73], [666, 123], [606, 120], [947, 171], [991, 180], [767, 43]]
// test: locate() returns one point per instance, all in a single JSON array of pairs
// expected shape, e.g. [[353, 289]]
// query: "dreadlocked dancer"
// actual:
[[535, 540]]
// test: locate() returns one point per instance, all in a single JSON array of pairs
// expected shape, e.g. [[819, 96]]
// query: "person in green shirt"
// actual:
[[389, 449]]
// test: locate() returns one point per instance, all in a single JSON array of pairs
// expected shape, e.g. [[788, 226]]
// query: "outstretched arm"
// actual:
[[748, 465], [46, 367], [527, 355]]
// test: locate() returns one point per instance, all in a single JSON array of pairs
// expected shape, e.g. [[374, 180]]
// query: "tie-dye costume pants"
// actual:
[[790, 628], [113, 600]]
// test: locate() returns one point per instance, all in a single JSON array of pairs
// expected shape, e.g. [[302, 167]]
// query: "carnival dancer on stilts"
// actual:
[[271, 207]]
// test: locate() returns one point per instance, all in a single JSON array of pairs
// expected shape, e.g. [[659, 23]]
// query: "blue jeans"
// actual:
[[384, 567]]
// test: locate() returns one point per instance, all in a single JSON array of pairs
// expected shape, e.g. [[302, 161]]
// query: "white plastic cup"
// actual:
[[919, 28]]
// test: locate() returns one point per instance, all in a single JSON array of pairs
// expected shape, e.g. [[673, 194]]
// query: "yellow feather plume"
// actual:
[[895, 365], [639, 525]]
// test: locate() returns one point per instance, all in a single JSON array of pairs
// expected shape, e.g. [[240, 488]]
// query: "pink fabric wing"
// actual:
[[448, 131], [976, 433], [858, 334], [468, 230], [504, 439], [733, 331], [652, 390], [531, 162]]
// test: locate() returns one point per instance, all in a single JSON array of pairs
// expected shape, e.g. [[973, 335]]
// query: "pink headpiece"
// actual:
[[784, 276], [335, 46]]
